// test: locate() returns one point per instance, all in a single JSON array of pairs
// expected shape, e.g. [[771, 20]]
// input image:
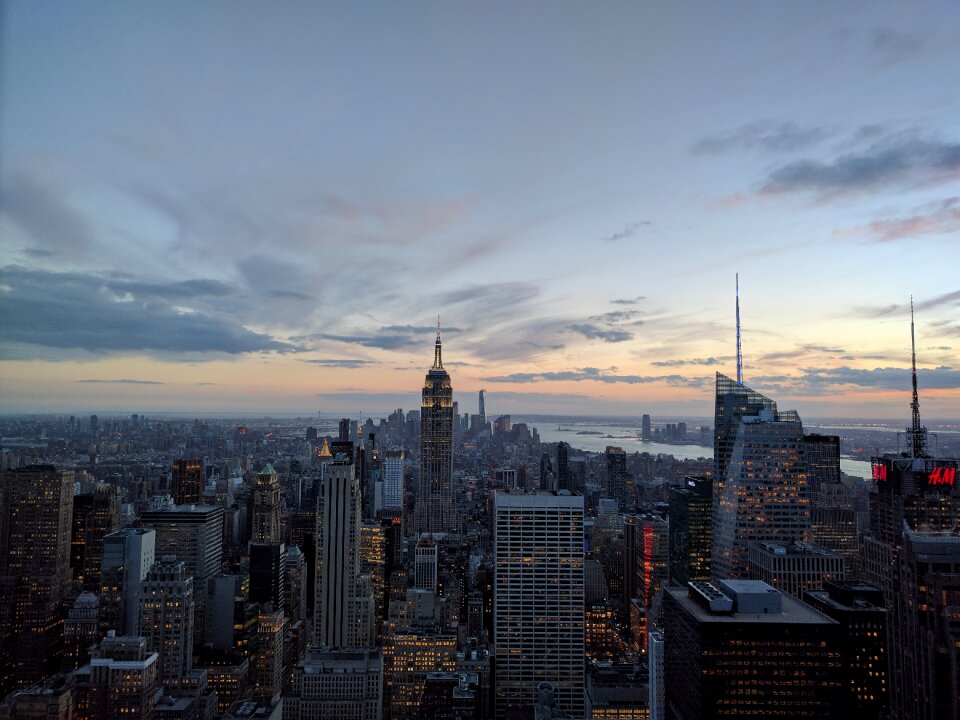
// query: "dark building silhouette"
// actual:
[[188, 482], [563, 466], [691, 530], [617, 474]]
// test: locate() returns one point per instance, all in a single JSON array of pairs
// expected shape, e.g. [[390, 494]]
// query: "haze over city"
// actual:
[[231, 208]]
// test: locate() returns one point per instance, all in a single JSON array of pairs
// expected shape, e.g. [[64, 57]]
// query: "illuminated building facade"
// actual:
[[760, 477], [407, 659], [120, 682], [188, 482], [538, 599], [393, 480], [373, 562], [691, 530], [434, 511], [36, 512], [267, 660], [336, 685], [95, 515], [915, 521], [81, 630], [740, 648], [617, 475], [266, 507], [860, 609]]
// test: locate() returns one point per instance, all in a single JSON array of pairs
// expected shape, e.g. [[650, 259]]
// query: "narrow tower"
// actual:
[[918, 434], [739, 351]]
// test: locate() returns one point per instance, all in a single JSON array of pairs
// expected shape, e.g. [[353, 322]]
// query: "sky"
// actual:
[[257, 207]]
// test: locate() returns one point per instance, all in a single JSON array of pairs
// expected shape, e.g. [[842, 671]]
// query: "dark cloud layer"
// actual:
[[348, 363], [102, 314], [595, 332], [897, 159], [766, 135], [593, 374], [42, 212], [123, 381], [629, 230], [707, 362]]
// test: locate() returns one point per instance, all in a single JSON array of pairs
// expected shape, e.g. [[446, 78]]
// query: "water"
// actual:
[[629, 439]]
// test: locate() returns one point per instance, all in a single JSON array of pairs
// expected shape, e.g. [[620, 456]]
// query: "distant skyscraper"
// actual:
[[166, 618], [645, 433], [760, 477], [822, 453], [393, 480], [343, 430], [483, 409], [617, 474], [539, 599], [691, 530], [36, 513], [95, 515], [434, 510], [563, 466], [188, 482], [266, 507]]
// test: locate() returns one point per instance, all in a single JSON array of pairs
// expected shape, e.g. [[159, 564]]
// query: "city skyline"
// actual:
[[230, 209]]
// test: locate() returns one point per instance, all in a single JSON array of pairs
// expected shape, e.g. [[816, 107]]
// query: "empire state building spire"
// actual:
[[437, 360]]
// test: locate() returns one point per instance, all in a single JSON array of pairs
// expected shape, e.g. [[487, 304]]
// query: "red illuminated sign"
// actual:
[[943, 476], [879, 471]]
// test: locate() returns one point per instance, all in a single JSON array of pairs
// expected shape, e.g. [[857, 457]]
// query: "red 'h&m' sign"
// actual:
[[879, 472], [943, 476]]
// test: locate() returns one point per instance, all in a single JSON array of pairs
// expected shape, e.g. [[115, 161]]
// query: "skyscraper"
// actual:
[[760, 477], [646, 433], [617, 474], [393, 480], [188, 482], [691, 530], [539, 599], [563, 466], [36, 513], [266, 507], [128, 555], [166, 617], [434, 508]]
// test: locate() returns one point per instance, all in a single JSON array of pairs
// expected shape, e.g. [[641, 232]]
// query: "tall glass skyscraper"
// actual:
[[760, 477], [434, 508]]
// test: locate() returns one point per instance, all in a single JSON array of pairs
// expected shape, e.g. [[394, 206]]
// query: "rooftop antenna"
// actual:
[[739, 351], [437, 361], [918, 434]]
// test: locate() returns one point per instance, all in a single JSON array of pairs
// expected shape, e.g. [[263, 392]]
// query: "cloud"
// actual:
[[885, 378], [616, 316], [766, 135], [629, 301], [595, 375], [593, 332], [941, 219], [950, 298], [498, 294], [289, 295], [902, 158], [123, 381], [103, 315], [42, 212], [371, 340], [877, 311], [341, 362], [629, 230], [801, 351], [707, 362], [890, 46]]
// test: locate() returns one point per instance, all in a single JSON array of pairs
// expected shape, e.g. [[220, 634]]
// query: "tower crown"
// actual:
[[437, 359]]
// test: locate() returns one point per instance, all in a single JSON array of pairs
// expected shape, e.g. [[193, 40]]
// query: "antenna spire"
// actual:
[[917, 433], [739, 351], [437, 361]]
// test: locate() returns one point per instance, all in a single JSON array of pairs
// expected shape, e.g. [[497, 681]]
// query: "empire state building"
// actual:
[[434, 502]]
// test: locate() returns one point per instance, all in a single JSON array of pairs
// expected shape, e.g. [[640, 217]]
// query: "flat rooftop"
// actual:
[[794, 612]]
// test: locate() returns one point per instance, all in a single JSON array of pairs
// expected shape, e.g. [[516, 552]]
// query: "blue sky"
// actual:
[[250, 206]]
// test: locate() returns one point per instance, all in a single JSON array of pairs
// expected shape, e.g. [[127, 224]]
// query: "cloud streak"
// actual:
[[629, 230], [765, 135], [594, 375]]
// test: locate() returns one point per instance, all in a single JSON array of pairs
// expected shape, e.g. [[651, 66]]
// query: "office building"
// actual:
[[50, 699], [295, 584], [538, 602], [859, 608], [81, 630], [344, 606], [36, 512], [833, 523], [95, 515], [128, 555], [267, 658], [646, 433], [266, 507], [691, 530], [794, 568], [268, 566], [193, 533], [336, 685], [617, 690], [408, 656], [121, 681], [434, 511], [563, 467], [188, 482], [425, 564], [505, 478], [393, 494], [740, 648], [760, 477], [822, 455], [617, 475], [167, 618]]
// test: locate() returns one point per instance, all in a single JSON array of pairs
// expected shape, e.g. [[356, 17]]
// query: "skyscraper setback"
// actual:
[[434, 510]]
